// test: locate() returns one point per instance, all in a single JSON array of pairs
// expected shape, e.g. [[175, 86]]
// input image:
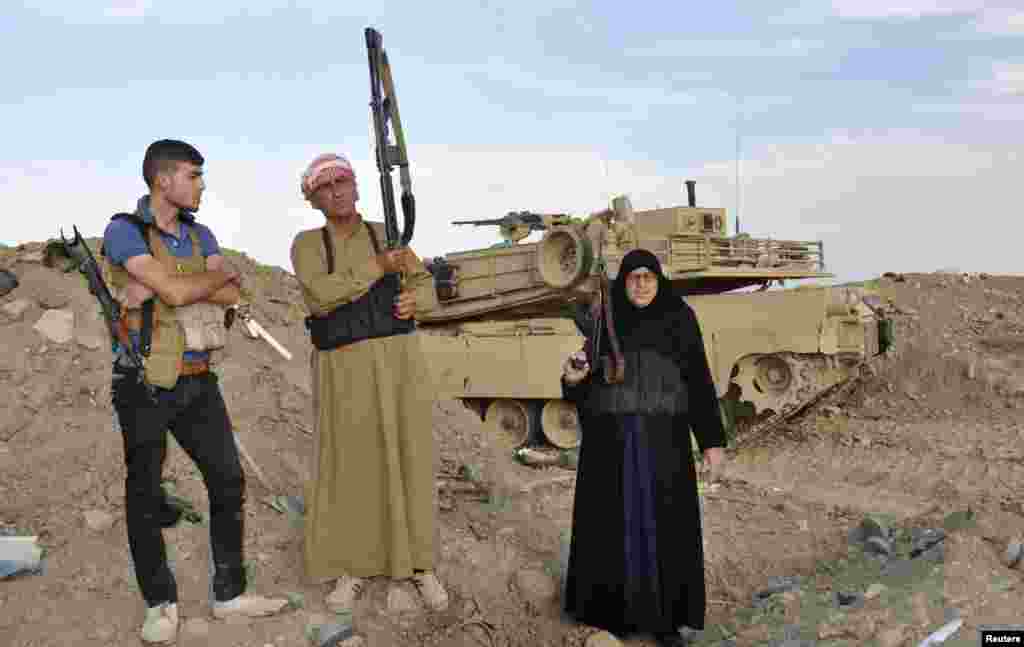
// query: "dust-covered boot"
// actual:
[[346, 590], [249, 606], [161, 624], [432, 590]]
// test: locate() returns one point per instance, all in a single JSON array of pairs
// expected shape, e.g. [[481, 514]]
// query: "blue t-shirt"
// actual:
[[123, 240]]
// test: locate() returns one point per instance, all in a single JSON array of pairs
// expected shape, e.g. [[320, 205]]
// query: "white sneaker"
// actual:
[[431, 589], [161, 624], [346, 590], [250, 606]]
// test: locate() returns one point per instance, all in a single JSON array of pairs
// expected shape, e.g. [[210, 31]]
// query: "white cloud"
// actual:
[[128, 8], [890, 201], [639, 96], [1001, 21], [726, 48], [904, 8], [1007, 79], [988, 112]]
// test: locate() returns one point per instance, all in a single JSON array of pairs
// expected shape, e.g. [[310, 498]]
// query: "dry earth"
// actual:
[[932, 430]]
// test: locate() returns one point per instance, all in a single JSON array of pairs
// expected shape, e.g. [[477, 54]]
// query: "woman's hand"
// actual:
[[575, 368], [405, 304], [711, 466]]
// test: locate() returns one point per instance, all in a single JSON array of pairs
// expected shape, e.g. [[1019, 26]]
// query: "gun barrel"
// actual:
[[496, 221]]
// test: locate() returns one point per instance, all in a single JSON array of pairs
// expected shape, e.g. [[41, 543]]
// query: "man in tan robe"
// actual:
[[370, 504]]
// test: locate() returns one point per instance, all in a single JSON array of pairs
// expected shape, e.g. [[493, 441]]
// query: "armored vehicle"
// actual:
[[509, 315]]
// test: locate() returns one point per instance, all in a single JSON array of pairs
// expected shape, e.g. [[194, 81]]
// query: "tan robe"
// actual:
[[370, 504]]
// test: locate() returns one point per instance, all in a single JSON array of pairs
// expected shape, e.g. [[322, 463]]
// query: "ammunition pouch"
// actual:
[[370, 316], [203, 324]]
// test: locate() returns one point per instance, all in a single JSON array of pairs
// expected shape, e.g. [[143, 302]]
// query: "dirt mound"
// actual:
[[934, 429]]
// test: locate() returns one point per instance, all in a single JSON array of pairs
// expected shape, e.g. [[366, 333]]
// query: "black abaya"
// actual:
[[636, 560]]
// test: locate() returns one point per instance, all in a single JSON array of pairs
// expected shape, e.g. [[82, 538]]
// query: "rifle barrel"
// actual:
[[497, 221]]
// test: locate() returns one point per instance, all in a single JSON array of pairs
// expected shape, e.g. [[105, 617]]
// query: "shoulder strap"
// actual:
[[197, 244], [146, 334], [135, 220], [329, 246]]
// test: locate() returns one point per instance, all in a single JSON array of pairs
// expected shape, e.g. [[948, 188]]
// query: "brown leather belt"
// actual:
[[194, 367]]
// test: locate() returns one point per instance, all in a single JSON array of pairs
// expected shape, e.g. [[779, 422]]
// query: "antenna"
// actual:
[[739, 103], [604, 182]]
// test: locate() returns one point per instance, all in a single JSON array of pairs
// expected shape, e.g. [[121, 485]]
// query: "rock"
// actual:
[[923, 539], [98, 520], [1014, 553], [400, 600], [602, 639], [875, 590], [104, 634], [15, 422], [827, 630], [936, 553], [878, 546], [869, 527], [777, 584], [89, 339], [56, 325], [535, 585], [8, 281], [196, 627], [53, 299], [892, 637], [848, 600], [16, 309], [33, 256], [898, 569]]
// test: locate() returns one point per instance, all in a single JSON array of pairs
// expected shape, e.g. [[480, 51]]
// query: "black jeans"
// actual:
[[194, 411]]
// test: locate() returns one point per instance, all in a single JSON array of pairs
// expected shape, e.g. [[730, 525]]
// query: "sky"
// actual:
[[891, 131]]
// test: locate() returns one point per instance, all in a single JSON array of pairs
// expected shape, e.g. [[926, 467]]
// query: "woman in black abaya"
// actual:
[[636, 562]]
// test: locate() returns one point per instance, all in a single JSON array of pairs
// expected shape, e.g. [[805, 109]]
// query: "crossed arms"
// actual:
[[215, 285]]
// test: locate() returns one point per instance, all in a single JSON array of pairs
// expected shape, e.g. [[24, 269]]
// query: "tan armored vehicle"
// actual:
[[505, 322]]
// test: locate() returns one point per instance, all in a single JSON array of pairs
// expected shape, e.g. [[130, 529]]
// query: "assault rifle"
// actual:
[[601, 318], [517, 225], [384, 106], [82, 259]]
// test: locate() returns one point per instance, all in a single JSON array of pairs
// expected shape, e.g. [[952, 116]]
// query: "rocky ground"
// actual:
[[874, 519]]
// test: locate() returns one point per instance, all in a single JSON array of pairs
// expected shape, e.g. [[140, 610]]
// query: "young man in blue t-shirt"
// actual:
[[191, 406]]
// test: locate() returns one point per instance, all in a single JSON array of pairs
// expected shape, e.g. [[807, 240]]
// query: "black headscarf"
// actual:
[[654, 326]]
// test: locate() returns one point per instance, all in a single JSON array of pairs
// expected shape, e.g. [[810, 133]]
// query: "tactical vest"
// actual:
[[368, 317], [169, 331]]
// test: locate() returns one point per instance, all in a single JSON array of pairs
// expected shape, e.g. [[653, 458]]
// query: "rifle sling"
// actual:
[[146, 334], [329, 244]]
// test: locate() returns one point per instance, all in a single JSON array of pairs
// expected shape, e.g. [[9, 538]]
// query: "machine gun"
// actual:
[[384, 108], [517, 225], [82, 259]]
